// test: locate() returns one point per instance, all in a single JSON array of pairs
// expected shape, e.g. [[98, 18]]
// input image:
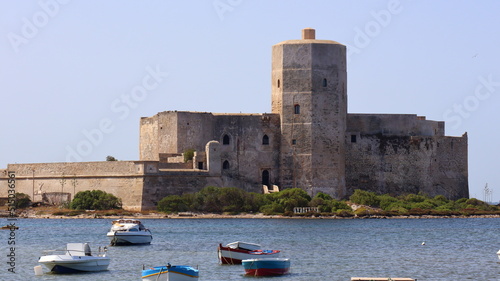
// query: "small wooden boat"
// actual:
[[9, 227], [170, 273], [266, 266], [234, 253]]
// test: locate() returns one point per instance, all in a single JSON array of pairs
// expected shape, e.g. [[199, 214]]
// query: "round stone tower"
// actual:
[[309, 81]]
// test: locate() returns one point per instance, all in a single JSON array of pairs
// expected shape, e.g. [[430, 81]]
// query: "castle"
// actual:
[[308, 141]]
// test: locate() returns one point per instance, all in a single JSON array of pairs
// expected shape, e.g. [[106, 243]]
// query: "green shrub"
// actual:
[[172, 203], [22, 200], [338, 205], [415, 198], [272, 209], [323, 196], [291, 198], [362, 212], [111, 158], [364, 198], [423, 205], [95, 200], [188, 155], [386, 202], [344, 213]]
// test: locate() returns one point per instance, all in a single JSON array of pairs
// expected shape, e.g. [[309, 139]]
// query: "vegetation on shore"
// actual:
[[232, 200], [95, 200]]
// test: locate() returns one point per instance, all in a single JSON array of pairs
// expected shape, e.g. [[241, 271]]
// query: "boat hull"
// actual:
[[126, 238], [229, 255], [70, 264], [266, 266], [174, 273]]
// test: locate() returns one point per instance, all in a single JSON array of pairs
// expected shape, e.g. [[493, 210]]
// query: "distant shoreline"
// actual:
[[31, 214]]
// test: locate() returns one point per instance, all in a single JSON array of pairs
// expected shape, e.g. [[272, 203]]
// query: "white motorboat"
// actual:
[[76, 258], [129, 232]]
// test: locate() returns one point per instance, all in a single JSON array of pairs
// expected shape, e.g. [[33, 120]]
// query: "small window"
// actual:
[[265, 140], [325, 83], [294, 142], [353, 138], [296, 109], [225, 140], [278, 83], [225, 165], [200, 165]]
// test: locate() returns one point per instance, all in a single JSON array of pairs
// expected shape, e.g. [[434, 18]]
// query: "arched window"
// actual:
[[265, 140], [296, 109], [278, 83], [265, 177], [225, 165], [225, 140], [325, 83]]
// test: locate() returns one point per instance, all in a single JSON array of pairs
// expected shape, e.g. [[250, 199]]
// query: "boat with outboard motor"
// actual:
[[76, 258]]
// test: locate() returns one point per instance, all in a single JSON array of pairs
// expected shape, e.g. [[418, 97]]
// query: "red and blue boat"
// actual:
[[234, 253], [266, 266]]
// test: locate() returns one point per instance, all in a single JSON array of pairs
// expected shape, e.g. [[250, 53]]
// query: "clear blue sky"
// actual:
[[70, 68]]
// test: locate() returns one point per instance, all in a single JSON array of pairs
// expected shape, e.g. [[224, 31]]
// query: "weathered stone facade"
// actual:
[[308, 141]]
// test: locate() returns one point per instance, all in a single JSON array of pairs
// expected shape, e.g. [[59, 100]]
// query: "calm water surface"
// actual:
[[319, 249]]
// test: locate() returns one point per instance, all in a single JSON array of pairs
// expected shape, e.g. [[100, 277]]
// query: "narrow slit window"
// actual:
[[225, 140], [278, 83], [296, 109], [265, 140], [325, 83]]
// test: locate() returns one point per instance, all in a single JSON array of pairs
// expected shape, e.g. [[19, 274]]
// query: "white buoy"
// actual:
[[38, 270], [423, 243]]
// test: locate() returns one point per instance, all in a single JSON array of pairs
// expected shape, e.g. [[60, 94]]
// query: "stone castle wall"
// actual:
[[408, 164], [393, 124], [120, 178], [246, 155]]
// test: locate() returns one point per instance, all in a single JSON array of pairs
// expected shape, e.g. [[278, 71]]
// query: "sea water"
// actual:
[[319, 249]]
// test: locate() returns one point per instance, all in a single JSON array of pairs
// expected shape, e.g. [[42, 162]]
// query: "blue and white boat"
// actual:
[[170, 273], [266, 266]]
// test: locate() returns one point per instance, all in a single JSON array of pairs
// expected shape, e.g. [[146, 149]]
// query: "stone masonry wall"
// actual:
[[394, 124], [120, 178], [405, 164], [246, 154]]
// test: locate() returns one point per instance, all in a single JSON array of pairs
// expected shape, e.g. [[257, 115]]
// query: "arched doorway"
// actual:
[[265, 177]]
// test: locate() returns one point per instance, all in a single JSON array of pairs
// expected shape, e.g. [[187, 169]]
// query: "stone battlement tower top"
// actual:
[[308, 33], [309, 36]]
